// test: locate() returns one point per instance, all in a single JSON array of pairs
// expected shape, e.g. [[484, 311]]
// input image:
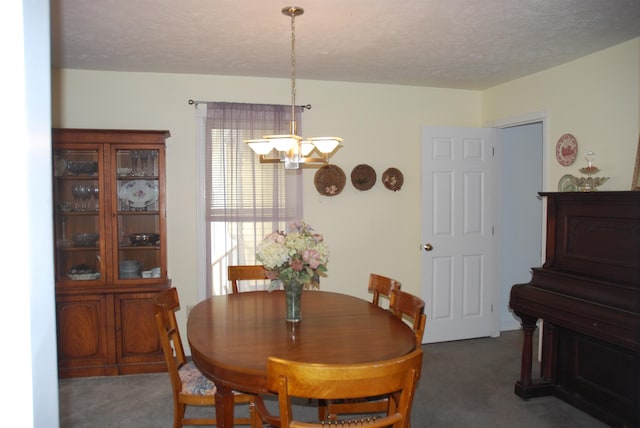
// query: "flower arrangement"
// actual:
[[299, 257]]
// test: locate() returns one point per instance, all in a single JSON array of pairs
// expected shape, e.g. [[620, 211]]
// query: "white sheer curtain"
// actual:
[[244, 199]]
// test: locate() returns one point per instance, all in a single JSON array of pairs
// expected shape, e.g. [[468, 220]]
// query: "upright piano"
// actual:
[[587, 294]]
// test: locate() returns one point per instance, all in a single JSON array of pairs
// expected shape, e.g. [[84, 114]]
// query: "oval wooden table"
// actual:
[[232, 336]]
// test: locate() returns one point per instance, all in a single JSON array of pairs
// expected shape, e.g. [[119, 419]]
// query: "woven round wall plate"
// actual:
[[392, 179], [363, 177], [330, 180]]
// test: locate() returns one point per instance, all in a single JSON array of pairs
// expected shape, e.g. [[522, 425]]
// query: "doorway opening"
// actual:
[[519, 213]]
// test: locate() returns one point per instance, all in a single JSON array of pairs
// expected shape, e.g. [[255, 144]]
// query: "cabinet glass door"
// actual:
[[79, 248], [138, 226]]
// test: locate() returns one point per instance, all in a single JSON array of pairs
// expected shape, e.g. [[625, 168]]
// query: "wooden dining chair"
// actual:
[[381, 286], [407, 307], [190, 386], [245, 273], [397, 376]]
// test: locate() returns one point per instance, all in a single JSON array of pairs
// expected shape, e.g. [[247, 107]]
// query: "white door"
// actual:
[[457, 233]]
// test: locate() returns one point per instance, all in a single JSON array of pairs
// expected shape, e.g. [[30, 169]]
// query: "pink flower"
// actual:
[[312, 258], [277, 237], [297, 264]]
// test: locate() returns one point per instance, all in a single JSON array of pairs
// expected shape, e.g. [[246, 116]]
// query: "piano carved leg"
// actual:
[[547, 368], [526, 387], [529, 325]]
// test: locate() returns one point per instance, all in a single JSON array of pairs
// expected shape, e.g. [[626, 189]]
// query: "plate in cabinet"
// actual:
[[139, 193]]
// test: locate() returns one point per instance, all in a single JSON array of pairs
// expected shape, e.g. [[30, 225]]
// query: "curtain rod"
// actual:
[[195, 103]]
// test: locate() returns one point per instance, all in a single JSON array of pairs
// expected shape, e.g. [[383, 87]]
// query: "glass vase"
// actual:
[[293, 294]]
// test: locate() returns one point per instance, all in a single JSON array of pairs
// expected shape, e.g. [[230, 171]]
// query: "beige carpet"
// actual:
[[464, 384]]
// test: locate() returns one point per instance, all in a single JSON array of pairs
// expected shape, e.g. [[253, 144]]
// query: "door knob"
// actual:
[[428, 247]]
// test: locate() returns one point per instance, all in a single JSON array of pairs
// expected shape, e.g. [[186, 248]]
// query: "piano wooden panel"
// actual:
[[588, 294]]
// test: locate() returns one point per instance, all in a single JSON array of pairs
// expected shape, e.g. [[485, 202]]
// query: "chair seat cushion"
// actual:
[[194, 382]]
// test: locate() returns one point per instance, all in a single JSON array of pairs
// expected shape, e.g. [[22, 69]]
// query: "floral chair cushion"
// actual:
[[194, 382]]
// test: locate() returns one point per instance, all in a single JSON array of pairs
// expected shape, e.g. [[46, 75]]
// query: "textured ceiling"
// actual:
[[466, 44]]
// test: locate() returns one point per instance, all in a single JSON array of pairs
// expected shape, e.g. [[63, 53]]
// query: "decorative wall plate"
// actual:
[[567, 184], [392, 179], [566, 150], [363, 177], [330, 180]]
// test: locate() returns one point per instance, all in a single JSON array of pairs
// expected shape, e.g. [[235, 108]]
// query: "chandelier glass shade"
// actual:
[[294, 150]]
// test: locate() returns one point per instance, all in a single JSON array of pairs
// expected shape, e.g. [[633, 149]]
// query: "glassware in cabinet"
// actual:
[[138, 228], [139, 245], [137, 163], [76, 192]]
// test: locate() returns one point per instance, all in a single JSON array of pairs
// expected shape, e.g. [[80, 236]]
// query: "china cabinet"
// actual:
[[110, 249]]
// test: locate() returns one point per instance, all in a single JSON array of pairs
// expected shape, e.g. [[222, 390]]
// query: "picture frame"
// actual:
[[635, 183]]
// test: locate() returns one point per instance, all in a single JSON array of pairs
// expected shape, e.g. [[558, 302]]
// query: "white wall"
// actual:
[[596, 98], [373, 231], [29, 396]]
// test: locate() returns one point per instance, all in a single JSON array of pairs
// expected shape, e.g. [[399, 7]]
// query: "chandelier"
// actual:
[[292, 149]]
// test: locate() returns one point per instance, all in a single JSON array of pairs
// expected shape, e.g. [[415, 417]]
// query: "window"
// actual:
[[244, 199]]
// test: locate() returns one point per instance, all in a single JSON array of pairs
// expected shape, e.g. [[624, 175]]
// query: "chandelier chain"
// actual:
[[293, 73]]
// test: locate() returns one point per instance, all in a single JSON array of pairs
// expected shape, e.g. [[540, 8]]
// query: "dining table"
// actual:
[[231, 337]]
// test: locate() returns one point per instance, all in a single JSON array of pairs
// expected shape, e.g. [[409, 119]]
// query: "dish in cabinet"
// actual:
[[139, 193], [84, 276]]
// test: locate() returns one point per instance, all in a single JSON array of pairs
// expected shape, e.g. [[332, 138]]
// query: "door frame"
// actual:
[[525, 119]]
